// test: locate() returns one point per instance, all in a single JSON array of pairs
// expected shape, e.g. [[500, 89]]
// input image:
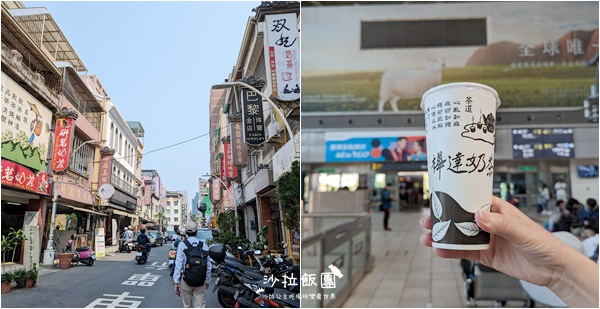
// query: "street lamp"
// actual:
[[237, 224], [49, 251], [279, 113]]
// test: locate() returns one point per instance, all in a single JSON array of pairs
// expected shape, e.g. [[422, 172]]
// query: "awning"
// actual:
[[122, 213], [83, 209]]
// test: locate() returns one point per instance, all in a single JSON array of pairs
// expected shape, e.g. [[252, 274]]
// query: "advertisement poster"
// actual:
[[284, 55], [375, 147], [384, 57], [25, 126]]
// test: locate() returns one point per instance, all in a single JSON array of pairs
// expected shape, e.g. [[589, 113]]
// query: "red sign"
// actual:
[[62, 144], [17, 175], [222, 175], [105, 168], [75, 193], [239, 152], [230, 170]]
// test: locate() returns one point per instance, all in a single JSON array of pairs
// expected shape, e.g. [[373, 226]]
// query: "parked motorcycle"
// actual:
[[82, 255], [141, 255]]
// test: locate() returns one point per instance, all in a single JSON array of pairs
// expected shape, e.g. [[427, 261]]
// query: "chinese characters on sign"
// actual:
[[75, 193], [284, 55], [25, 137], [254, 128], [62, 144], [230, 170], [105, 168], [238, 147], [543, 143], [16, 175]]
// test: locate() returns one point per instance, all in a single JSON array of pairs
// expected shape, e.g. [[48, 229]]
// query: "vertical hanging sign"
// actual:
[[106, 158], [238, 147], [254, 129], [230, 170], [62, 144], [284, 55], [223, 173]]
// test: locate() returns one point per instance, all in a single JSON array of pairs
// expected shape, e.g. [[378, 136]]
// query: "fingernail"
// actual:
[[422, 238], [421, 221], [485, 218]]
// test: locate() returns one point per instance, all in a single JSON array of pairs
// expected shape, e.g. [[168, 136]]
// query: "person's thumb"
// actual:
[[499, 224]]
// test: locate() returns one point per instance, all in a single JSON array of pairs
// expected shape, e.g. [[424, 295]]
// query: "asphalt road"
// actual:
[[112, 281]]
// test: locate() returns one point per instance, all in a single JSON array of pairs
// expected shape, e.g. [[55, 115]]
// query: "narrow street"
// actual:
[[113, 281]]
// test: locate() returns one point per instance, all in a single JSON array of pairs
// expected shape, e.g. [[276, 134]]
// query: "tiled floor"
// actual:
[[408, 274]]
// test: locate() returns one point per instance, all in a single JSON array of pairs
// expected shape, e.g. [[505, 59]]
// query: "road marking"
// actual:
[[119, 302], [157, 266], [146, 279]]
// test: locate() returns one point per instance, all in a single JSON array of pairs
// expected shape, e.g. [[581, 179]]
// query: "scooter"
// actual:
[[126, 246], [82, 255], [172, 254], [142, 254]]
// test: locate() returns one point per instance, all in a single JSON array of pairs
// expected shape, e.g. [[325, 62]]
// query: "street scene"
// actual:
[[150, 149]]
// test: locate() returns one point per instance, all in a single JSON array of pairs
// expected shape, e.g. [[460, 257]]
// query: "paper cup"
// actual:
[[460, 123]]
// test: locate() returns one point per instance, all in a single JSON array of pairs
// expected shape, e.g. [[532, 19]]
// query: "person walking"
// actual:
[[544, 199], [386, 201], [188, 282]]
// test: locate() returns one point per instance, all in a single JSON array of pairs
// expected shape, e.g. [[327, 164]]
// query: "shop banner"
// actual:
[[25, 122], [19, 176], [106, 160], [283, 55], [62, 144], [254, 123], [239, 150], [75, 193], [230, 169], [375, 149]]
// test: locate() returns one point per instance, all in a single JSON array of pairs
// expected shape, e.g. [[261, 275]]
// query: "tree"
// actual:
[[160, 217], [194, 218], [288, 196]]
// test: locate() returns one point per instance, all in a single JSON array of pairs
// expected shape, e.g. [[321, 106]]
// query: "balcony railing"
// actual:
[[119, 183]]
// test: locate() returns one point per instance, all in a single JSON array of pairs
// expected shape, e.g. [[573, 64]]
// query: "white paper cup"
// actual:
[[460, 123]]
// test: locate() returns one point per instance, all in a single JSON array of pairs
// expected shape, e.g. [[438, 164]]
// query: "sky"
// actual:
[[158, 61]]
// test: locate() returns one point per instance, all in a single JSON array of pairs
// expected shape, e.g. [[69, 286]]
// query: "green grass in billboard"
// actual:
[[517, 87]]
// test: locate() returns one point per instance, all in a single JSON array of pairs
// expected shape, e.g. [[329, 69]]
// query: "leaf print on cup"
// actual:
[[439, 230], [436, 205], [468, 228]]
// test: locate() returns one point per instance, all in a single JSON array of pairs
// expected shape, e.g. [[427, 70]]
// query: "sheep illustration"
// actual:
[[409, 84], [336, 271]]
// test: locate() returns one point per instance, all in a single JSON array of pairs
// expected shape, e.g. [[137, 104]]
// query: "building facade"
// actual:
[[177, 210], [154, 202], [250, 152]]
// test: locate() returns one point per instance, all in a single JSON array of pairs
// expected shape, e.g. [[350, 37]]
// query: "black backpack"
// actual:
[[194, 273]]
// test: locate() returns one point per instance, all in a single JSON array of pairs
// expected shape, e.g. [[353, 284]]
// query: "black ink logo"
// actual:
[[452, 224], [482, 130]]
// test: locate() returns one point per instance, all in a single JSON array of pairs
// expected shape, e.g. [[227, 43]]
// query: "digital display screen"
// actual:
[[535, 143]]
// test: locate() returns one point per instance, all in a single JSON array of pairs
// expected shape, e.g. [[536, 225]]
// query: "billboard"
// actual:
[[384, 57], [375, 147]]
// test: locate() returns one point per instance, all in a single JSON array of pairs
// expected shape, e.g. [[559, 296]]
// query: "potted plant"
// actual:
[[7, 280], [11, 242], [71, 220], [32, 275], [20, 278]]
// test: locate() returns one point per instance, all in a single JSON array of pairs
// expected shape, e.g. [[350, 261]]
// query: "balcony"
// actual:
[[122, 185]]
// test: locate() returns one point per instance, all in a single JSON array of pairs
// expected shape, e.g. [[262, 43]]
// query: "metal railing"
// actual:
[[343, 240]]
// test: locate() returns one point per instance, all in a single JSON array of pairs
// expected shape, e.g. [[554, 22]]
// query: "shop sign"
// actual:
[[536, 143], [254, 123], [19, 176], [24, 121], [223, 173], [356, 147], [283, 55], [31, 246], [230, 169], [239, 150], [105, 168], [62, 144], [75, 193], [100, 245], [527, 168], [215, 187], [283, 159]]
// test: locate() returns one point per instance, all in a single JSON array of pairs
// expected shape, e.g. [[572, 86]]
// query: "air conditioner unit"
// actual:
[[273, 130]]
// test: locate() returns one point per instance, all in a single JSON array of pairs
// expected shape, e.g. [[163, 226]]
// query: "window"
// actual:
[[80, 160], [176, 211], [176, 219]]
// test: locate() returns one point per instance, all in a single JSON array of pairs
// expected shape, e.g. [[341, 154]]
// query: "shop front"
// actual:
[[269, 209]]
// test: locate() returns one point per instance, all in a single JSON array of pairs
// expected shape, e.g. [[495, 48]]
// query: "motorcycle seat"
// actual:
[[243, 267], [85, 248]]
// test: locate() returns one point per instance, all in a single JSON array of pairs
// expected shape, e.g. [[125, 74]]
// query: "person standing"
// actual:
[[184, 278], [386, 201], [560, 187], [544, 199]]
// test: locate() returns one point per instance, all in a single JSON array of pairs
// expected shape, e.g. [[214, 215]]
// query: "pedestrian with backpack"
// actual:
[[192, 274]]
